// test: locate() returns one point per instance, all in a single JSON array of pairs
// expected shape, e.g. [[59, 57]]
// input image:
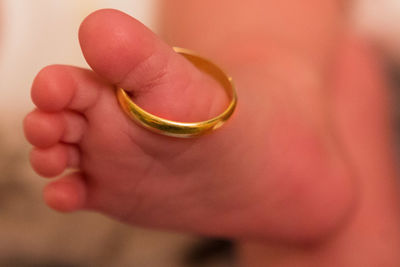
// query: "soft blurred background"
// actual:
[[41, 32]]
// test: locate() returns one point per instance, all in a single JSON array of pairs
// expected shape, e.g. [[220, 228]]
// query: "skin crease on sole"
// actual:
[[275, 176]]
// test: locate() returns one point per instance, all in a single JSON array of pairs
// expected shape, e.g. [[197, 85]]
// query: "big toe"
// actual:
[[162, 82]]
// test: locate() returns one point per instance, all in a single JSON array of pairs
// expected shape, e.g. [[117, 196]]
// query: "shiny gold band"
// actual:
[[183, 129]]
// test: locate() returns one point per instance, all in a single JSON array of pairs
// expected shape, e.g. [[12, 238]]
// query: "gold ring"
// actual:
[[183, 129]]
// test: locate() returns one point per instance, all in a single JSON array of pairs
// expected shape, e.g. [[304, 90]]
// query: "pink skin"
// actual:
[[361, 112], [266, 175], [354, 95]]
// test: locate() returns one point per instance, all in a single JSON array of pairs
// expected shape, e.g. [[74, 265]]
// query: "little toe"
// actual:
[[43, 129], [59, 87], [53, 161], [66, 194]]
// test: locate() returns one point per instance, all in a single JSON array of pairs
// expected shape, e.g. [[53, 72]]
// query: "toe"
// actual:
[[52, 88], [126, 53], [50, 162], [59, 87], [66, 194], [43, 129], [74, 127]]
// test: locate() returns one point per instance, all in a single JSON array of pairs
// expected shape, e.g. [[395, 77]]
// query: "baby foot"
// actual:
[[270, 172]]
